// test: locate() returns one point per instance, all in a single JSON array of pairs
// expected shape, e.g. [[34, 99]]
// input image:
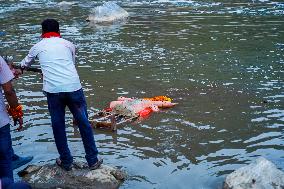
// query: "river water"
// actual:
[[222, 61]]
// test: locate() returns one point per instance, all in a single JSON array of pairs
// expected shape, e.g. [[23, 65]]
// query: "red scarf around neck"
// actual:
[[50, 34]]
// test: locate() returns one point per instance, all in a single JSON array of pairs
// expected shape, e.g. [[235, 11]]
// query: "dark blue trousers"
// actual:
[[6, 152], [76, 102]]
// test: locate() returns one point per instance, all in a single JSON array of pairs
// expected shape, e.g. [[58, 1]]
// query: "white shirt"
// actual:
[[6, 75], [57, 61]]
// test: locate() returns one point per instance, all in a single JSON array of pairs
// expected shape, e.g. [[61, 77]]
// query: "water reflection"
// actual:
[[221, 61]]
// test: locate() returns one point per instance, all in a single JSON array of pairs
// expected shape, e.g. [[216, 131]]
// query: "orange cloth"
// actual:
[[17, 112], [159, 98], [145, 113]]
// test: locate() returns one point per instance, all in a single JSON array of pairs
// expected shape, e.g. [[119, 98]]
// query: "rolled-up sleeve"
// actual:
[[6, 74], [30, 58]]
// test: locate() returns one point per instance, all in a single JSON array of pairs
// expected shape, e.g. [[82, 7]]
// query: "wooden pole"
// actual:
[[37, 70]]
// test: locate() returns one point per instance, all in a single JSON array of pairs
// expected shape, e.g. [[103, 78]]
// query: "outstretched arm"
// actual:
[[30, 58]]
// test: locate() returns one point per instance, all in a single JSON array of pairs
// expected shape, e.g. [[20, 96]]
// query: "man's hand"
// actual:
[[17, 115], [20, 121], [16, 72]]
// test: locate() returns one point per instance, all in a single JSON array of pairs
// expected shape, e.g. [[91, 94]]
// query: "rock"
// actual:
[[107, 13], [52, 176], [261, 174], [66, 5]]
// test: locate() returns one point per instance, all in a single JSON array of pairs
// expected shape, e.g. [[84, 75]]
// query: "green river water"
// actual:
[[222, 61]]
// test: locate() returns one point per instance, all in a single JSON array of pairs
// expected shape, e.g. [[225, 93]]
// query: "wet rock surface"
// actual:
[[52, 176], [261, 174]]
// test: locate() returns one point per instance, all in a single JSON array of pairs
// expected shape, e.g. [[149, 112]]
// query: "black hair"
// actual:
[[50, 25]]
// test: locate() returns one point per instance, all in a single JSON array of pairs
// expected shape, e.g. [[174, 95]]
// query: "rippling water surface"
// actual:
[[222, 61]]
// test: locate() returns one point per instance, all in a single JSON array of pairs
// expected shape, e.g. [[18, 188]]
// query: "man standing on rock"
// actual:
[[62, 86]]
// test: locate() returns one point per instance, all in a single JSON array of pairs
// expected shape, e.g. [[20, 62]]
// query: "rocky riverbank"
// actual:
[[261, 174]]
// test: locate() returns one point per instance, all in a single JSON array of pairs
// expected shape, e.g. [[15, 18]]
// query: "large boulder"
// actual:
[[261, 174], [107, 13], [52, 176]]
